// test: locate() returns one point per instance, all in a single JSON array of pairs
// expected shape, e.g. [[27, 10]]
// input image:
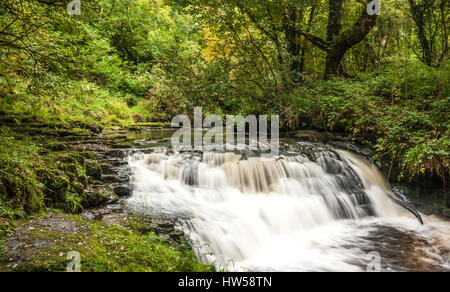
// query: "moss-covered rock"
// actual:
[[56, 146], [93, 169], [95, 197]]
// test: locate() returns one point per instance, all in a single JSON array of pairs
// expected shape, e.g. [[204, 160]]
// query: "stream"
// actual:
[[313, 207]]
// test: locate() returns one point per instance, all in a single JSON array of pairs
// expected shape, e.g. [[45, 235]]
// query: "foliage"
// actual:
[[107, 248], [406, 118], [123, 62]]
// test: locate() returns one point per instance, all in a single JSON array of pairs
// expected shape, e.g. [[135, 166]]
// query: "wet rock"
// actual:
[[93, 169], [402, 194], [111, 179], [107, 169], [116, 153], [98, 196], [118, 162], [122, 191]]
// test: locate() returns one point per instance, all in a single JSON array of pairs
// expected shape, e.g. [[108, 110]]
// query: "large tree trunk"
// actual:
[[333, 64], [292, 18], [334, 19], [303, 53], [338, 43]]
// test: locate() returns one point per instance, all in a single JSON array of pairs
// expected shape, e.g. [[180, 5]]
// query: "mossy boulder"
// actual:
[[56, 146], [95, 197], [93, 169]]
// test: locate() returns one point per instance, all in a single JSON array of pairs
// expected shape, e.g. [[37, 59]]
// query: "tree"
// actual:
[[430, 18], [261, 26], [338, 42]]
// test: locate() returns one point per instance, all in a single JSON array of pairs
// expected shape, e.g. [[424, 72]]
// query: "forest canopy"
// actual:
[[323, 64]]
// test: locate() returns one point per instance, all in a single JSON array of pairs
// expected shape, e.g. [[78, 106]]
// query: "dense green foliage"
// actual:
[[403, 111], [122, 62]]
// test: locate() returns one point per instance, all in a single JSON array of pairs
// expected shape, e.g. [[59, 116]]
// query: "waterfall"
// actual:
[[312, 211]]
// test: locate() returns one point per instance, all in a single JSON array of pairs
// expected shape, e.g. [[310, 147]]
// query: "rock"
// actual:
[[93, 169], [116, 154], [122, 191], [96, 197], [107, 169], [402, 194], [111, 179], [118, 162]]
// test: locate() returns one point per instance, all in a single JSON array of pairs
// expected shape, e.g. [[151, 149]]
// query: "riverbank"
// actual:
[[42, 243], [54, 181]]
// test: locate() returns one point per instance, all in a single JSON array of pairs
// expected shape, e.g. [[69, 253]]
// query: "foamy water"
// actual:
[[286, 213]]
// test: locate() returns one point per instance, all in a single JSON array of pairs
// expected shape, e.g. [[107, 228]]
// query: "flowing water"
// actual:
[[316, 210]]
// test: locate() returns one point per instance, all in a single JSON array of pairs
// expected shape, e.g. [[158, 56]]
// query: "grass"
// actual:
[[107, 248], [64, 102]]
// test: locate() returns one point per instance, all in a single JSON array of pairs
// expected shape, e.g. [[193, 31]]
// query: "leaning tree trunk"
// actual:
[[341, 42], [333, 63]]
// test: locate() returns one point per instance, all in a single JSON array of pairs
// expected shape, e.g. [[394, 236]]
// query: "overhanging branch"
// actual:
[[318, 42]]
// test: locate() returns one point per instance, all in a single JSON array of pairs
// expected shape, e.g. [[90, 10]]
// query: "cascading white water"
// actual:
[[289, 213]]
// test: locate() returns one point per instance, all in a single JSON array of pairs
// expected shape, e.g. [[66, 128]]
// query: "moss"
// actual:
[[88, 155], [78, 188], [93, 169], [56, 146], [36, 173], [71, 157], [96, 198], [127, 144], [105, 248]]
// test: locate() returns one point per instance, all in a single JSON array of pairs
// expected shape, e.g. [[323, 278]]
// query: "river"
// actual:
[[310, 208]]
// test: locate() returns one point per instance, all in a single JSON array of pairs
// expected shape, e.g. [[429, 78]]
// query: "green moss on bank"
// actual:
[[102, 247], [39, 172]]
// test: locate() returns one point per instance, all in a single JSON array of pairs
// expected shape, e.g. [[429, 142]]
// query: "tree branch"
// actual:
[[318, 42]]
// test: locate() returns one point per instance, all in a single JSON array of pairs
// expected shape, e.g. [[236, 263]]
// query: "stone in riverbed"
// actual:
[[122, 191], [98, 196]]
